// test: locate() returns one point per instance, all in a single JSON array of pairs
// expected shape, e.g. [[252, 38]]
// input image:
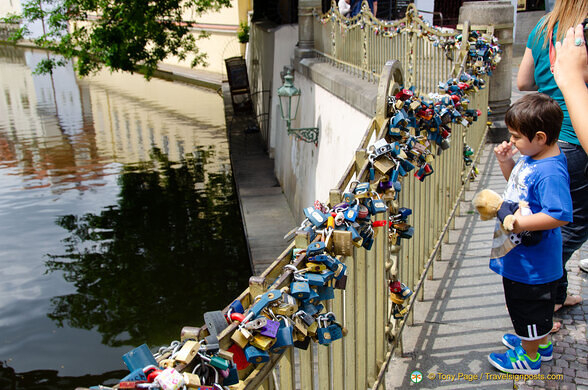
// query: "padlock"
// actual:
[[135, 376], [326, 293], [397, 299], [256, 323], [300, 288], [378, 206], [312, 329], [255, 355], [241, 337], [342, 243], [341, 283], [216, 361], [233, 376], [238, 357], [323, 333], [315, 279], [340, 271], [170, 379], [351, 213], [166, 363], [316, 217], [398, 312], [270, 329], [300, 326], [315, 267], [313, 298], [211, 344], [348, 197], [383, 164], [306, 318], [362, 190], [189, 332], [130, 384], [237, 307], [284, 336], [225, 355], [309, 308], [188, 351], [316, 248], [302, 344], [262, 342], [262, 303], [151, 372], [138, 358], [192, 381]]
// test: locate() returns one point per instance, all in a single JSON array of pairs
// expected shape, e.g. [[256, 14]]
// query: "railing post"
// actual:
[[305, 47], [499, 14]]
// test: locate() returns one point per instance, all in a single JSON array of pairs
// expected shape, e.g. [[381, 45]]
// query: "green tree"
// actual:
[[129, 35]]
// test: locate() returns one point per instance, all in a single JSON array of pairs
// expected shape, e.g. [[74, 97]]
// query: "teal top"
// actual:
[[545, 81]]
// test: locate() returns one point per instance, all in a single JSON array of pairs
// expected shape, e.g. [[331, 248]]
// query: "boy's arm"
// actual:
[[504, 155], [533, 222]]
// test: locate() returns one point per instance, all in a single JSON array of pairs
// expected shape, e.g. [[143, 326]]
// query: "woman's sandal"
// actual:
[[556, 327]]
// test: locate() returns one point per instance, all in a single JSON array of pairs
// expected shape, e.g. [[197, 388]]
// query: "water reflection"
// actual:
[[119, 219], [145, 263]]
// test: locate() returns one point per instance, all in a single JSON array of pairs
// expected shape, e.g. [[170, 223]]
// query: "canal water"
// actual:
[[119, 222]]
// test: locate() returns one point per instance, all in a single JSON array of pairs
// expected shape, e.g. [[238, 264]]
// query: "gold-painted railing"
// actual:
[[361, 45], [360, 359]]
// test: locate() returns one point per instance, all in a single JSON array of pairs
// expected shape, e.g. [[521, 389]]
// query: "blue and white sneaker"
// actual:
[[512, 341], [515, 362]]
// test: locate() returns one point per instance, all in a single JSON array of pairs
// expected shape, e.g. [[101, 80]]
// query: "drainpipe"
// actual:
[[500, 14], [305, 46]]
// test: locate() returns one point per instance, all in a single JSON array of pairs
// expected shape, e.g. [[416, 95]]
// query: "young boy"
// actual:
[[530, 273]]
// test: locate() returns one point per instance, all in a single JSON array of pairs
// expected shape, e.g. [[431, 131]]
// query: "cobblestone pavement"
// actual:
[[463, 315]]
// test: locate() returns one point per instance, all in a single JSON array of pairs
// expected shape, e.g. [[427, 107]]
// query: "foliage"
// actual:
[[129, 35], [243, 33]]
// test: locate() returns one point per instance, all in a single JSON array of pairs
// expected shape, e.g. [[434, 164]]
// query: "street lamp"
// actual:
[[289, 100]]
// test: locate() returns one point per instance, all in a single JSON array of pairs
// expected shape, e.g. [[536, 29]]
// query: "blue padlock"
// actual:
[[316, 217], [407, 165], [284, 337], [348, 197], [300, 289], [351, 213], [314, 279], [255, 355], [139, 357], [237, 307], [326, 293], [378, 206], [136, 375], [316, 248], [233, 377], [312, 298]]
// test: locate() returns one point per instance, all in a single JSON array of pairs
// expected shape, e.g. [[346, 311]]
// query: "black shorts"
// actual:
[[530, 307]]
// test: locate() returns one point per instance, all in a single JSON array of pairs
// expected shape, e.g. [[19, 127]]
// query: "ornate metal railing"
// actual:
[[361, 45], [360, 359]]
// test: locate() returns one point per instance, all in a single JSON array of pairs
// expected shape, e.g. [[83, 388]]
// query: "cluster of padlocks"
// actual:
[[484, 53]]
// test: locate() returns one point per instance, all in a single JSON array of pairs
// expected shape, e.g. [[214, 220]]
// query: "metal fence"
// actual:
[[361, 45], [360, 359]]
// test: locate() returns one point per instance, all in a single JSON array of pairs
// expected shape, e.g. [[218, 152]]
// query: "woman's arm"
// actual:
[[526, 75], [570, 72]]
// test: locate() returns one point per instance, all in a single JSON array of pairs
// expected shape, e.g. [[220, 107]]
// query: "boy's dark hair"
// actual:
[[535, 112]]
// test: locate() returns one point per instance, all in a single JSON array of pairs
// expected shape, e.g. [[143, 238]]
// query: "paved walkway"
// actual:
[[463, 315]]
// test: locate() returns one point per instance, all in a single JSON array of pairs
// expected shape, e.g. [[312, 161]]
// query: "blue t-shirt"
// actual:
[[545, 185], [545, 81]]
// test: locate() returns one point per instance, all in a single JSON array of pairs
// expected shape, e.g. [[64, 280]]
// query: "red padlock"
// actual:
[[239, 317], [395, 287], [238, 357], [151, 373], [129, 384]]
